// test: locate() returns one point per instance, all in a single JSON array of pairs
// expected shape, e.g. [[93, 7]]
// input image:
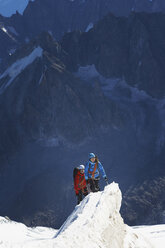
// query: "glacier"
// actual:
[[96, 222]]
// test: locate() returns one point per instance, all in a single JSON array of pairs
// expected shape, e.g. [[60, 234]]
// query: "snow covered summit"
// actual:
[[95, 223]]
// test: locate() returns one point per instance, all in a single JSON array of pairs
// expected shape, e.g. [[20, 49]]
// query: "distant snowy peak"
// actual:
[[9, 7]]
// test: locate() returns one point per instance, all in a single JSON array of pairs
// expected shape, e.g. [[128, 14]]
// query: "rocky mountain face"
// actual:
[[41, 98], [145, 203], [130, 48], [59, 17], [98, 91]]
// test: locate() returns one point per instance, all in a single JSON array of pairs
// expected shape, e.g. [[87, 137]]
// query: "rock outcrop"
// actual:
[[144, 203]]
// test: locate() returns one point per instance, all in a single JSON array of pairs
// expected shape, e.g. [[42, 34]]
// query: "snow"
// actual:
[[12, 51], [94, 223], [42, 75], [27, 40], [4, 29], [94, 215], [89, 27], [41, 78], [87, 73], [156, 234], [16, 68], [127, 96], [9, 7], [12, 30], [111, 86], [13, 234], [8, 33]]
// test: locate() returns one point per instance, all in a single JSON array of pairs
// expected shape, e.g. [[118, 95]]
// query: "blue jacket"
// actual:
[[90, 167]]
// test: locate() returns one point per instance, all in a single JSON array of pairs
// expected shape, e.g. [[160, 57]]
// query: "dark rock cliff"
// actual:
[[59, 17], [130, 48], [46, 99]]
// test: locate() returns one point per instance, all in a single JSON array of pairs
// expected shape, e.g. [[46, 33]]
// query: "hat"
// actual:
[[92, 155], [81, 167]]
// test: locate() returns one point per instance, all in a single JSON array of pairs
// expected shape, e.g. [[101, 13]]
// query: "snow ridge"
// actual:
[[95, 223], [92, 219]]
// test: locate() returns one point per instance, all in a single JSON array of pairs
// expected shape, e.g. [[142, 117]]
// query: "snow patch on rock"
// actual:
[[16, 68], [111, 86], [89, 27], [12, 30], [87, 73]]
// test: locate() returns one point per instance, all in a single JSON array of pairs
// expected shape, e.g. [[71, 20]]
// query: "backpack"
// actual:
[[75, 172]]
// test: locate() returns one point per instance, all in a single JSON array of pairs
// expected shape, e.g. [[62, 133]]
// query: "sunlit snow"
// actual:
[[4, 29], [95, 223], [9, 32], [156, 234]]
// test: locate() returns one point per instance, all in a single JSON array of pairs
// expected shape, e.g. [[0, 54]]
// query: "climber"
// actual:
[[80, 186], [92, 173]]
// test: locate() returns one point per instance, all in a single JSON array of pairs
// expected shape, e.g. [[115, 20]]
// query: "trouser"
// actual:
[[80, 194], [94, 184]]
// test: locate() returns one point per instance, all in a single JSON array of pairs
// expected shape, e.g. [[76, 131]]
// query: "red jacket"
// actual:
[[79, 182]]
